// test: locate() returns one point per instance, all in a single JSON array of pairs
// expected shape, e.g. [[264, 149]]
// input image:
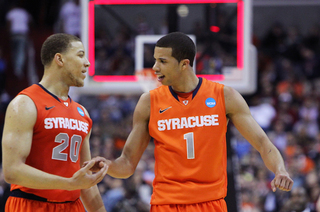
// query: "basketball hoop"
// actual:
[[147, 79]]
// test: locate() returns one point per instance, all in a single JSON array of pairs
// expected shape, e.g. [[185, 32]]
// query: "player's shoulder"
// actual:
[[22, 104], [143, 104], [25, 100], [232, 93], [145, 95], [21, 100], [234, 101], [27, 95], [145, 98]]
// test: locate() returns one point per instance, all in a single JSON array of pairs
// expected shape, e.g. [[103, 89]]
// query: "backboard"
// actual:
[[225, 53]]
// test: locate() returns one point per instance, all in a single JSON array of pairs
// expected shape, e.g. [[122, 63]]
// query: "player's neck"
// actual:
[[55, 86], [186, 84]]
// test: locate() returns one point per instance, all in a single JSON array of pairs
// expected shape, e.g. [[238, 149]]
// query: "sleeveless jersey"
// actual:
[[58, 134], [190, 145]]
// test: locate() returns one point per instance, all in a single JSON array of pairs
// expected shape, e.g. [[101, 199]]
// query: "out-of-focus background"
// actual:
[[286, 36]]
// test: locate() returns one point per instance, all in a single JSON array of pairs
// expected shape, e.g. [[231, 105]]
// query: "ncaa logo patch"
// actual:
[[80, 111], [211, 102]]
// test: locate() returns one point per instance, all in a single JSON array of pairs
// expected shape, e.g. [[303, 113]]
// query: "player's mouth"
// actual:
[[84, 74], [160, 77]]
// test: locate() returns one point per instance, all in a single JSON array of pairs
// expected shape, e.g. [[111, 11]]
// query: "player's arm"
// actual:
[[20, 119], [136, 143], [90, 197], [238, 112], [318, 204]]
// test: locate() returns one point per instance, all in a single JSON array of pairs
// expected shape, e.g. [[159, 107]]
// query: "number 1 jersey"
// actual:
[[190, 145]]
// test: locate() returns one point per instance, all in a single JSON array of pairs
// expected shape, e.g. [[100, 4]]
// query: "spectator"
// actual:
[[70, 18], [271, 202], [273, 44], [143, 27], [263, 112], [298, 202], [19, 21], [114, 194], [312, 39], [278, 136], [102, 63], [308, 114]]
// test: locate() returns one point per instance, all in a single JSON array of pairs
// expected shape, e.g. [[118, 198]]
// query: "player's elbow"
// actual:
[[130, 172], [122, 175], [11, 171], [9, 176], [123, 167]]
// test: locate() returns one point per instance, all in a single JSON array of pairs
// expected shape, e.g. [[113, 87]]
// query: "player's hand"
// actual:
[[84, 178], [282, 181], [99, 163]]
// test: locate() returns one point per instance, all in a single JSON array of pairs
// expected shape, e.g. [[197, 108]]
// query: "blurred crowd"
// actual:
[[286, 105]]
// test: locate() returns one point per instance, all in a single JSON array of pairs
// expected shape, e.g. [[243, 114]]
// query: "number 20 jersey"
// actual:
[[58, 133], [190, 145]]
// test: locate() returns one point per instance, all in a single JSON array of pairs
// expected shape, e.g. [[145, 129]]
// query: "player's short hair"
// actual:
[[182, 46], [56, 43]]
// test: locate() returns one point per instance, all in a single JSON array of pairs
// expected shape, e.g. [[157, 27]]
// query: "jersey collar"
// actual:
[[195, 91]]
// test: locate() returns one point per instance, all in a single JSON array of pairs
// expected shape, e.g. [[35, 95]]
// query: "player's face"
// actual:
[[76, 64], [166, 67]]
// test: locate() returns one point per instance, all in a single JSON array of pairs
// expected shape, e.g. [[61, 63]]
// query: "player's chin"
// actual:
[[163, 81], [79, 83]]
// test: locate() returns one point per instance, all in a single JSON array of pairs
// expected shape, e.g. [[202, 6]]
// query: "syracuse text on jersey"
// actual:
[[66, 123], [188, 122]]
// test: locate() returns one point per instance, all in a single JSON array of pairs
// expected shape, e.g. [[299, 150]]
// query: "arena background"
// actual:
[[287, 80]]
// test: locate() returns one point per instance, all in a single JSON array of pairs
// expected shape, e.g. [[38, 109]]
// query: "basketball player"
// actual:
[[187, 117], [46, 137]]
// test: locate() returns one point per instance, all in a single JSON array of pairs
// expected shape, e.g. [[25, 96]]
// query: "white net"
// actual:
[[147, 79]]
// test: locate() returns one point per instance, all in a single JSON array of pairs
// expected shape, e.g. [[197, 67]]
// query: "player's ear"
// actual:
[[58, 59], [185, 63]]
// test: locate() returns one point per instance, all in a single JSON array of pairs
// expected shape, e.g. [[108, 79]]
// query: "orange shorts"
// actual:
[[17, 204], [211, 206]]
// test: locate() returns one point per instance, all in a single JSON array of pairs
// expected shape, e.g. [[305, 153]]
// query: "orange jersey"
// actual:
[[58, 133], [190, 145]]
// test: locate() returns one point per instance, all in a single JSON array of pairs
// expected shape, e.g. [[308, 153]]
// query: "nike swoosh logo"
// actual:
[[48, 108], [161, 111]]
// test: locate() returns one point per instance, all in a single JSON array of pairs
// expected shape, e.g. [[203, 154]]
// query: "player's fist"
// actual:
[[99, 163], [282, 181], [84, 178]]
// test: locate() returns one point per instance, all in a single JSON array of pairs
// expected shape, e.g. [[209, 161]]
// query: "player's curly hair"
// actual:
[[56, 43], [182, 46]]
